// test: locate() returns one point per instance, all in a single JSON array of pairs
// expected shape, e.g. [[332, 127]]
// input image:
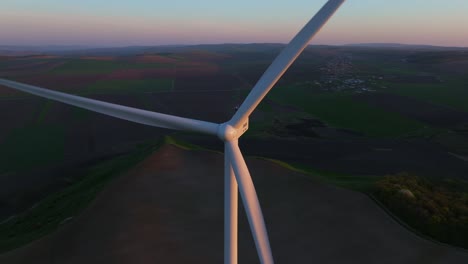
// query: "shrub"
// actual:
[[436, 208]]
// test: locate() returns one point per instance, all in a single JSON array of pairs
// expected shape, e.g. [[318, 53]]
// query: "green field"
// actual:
[[31, 147], [380, 67], [453, 92], [342, 111]]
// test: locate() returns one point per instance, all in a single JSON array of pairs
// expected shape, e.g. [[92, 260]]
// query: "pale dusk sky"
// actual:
[[155, 22]]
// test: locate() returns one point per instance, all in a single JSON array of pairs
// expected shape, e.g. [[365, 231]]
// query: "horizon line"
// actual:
[[71, 46]]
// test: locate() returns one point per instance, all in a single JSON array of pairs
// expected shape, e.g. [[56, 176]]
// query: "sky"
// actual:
[[174, 22]]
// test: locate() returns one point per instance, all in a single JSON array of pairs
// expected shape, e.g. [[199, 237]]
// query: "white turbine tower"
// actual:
[[236, 173]]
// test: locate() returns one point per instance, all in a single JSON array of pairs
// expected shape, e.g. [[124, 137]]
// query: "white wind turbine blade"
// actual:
[[287, 56], [123, 112], [250, 200]]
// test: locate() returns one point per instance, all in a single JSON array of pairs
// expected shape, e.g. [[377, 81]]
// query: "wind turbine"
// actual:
[[236, 173]]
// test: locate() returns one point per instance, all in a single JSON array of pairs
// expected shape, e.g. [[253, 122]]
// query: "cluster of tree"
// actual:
[[437, 208]]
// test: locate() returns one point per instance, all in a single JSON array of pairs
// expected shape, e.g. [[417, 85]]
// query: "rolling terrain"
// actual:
[[349, 114], [169, 208]]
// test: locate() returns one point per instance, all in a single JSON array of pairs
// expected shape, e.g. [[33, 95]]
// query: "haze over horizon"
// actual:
[[146, 23]]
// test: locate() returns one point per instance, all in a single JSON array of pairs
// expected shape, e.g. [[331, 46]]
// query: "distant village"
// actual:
[[338, 75]]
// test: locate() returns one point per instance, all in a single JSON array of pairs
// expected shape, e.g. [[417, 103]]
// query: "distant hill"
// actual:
[[135, 50], [403, 46], [12, 50], [8, 50]]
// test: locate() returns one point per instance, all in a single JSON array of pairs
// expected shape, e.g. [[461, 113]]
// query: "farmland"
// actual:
[[349, 115]]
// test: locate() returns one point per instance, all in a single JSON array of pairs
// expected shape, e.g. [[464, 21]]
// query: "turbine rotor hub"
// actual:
[[227, 132]]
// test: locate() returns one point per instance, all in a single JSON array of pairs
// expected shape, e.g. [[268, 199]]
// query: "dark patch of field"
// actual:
[[213, 106], [20, 191], [99, 58], [89, 134], [170, 71], [456, 142], [438, 57], [156, 58], [35, 66], [130, 86], [453, 68], [32, 146], [451, 93], [207, 83], [15, 114], [303, 127], [203, 55], [432, 114], [356, 156], [5, 92], [363, 157], [419, 79], [141, 218], [78, 66]]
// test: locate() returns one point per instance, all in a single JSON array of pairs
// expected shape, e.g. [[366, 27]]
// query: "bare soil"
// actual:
[[354, 156], [169, 209]]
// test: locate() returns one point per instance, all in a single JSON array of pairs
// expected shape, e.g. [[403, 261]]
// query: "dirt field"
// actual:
[[169, 209], [354, 156]]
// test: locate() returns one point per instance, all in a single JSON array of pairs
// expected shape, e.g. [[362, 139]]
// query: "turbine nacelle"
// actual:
[[227, 132]]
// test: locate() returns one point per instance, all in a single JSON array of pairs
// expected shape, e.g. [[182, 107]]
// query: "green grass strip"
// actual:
[[357, 183], [45, 109]]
